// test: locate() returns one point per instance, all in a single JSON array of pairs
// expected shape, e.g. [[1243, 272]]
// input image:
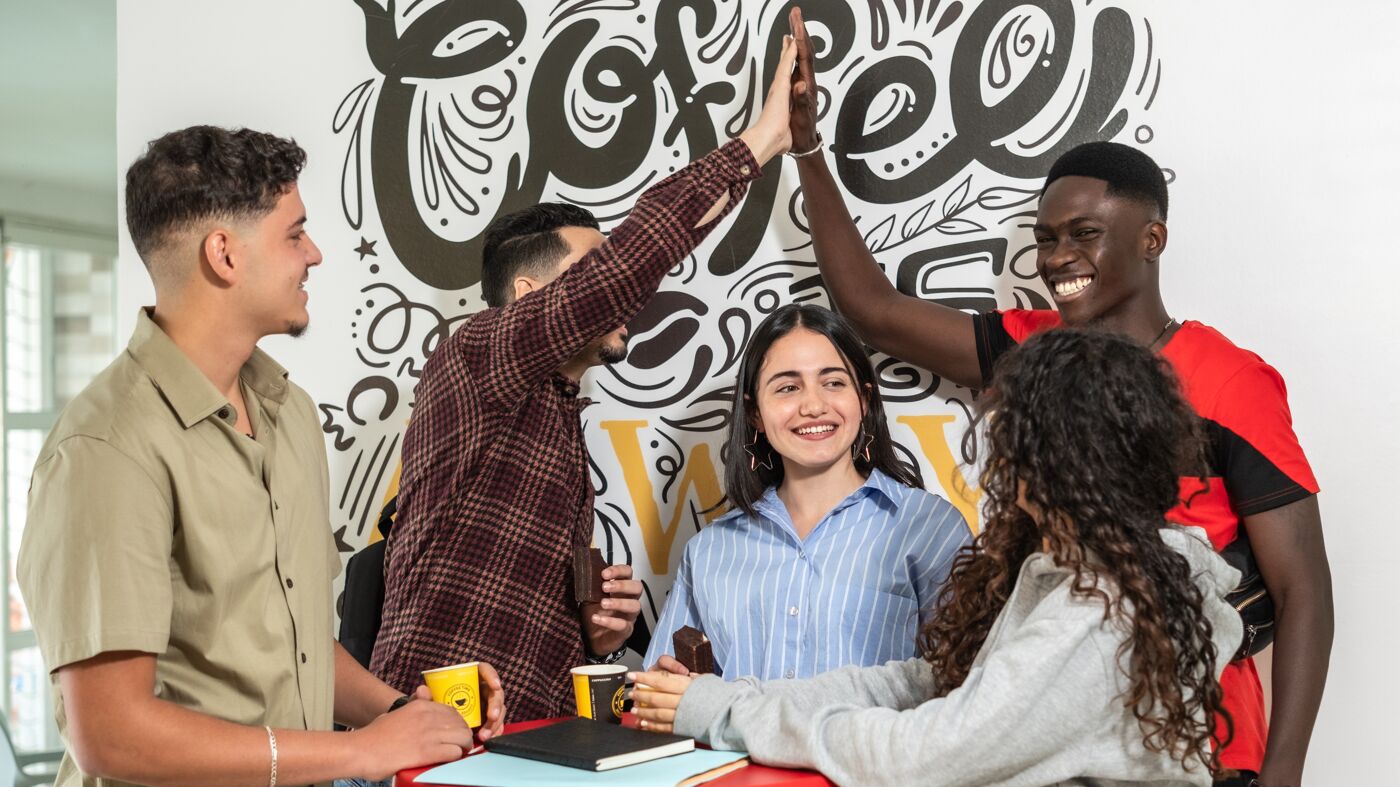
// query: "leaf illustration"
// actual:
[[956, 226], [879, 237], [915, 223], [954, 202], [1002, 197]]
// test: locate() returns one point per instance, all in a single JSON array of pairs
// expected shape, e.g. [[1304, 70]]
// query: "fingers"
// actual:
[[422, 693], [653, 720], [489, 676], [611, 623], [623, 587], [671, 665], [786, 61], [651, 699], [806, 69], [661, 681], [620, 571], [627, 607]]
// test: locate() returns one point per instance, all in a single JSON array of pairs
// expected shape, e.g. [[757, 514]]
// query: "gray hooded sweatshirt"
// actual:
[[1042, 704]]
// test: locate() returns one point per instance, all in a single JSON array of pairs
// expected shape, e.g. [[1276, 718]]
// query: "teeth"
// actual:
[[1072, 286], [817, 429]]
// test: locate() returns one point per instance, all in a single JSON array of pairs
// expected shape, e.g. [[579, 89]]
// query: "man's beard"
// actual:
[[296, 329], [611, 355]]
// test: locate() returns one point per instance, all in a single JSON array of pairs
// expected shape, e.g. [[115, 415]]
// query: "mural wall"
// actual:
[[941, 117]]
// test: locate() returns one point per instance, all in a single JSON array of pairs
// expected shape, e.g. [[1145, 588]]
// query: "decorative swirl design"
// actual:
[[941, 119]]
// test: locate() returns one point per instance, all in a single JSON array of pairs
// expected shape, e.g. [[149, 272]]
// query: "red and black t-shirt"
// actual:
[[1256, 463]]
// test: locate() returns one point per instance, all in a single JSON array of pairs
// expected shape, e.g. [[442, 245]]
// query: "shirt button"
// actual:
[[289, 582], [745, 170], [789, 674], [223, 412], [303, 658], [792, 611]]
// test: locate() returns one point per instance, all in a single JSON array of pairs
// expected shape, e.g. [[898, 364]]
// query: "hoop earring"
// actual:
[[750, 449]]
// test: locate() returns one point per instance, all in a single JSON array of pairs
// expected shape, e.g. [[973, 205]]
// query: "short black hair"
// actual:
[[205, 172], [1128, 172], [526, 241]]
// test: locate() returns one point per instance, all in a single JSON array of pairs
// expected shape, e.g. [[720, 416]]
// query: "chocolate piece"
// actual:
[[693, 650], [588, 575]]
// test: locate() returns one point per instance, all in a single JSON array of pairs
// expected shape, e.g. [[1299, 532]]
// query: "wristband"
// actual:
[[399, 703], [611, 658]]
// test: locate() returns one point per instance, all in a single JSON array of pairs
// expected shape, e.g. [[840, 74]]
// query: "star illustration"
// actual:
[[366, 248]]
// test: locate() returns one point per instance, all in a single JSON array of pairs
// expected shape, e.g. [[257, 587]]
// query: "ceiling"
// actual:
[[58, 93]]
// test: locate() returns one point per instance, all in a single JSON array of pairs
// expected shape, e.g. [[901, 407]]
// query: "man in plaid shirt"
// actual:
[[495, 491]]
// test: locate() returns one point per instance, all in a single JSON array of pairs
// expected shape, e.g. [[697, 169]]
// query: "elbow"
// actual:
[[94, 755], [1307, 606]]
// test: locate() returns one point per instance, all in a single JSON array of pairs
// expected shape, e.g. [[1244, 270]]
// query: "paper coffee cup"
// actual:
[[598, 691], [459, 688]]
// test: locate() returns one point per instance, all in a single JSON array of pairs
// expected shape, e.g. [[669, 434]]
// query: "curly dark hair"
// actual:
[[205, 172], [1095, 431], [743, 487]]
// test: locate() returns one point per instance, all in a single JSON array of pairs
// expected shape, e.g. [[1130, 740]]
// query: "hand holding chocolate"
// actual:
[[694, 651], [588, 575]]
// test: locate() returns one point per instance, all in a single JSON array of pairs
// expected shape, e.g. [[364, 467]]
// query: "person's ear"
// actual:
[[1154, 240], [219, 258], [754, 417], [524, 285]]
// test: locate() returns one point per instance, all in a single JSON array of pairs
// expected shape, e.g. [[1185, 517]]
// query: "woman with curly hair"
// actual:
[[1077, 641]]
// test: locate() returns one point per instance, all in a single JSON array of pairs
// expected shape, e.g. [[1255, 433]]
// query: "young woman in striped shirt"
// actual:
[[833, 552]]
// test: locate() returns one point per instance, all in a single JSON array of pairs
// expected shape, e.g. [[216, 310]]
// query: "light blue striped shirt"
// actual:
[[853, 592]]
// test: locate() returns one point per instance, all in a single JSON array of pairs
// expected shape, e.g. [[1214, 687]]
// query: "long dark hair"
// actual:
[[1095, 428], [744, 486]]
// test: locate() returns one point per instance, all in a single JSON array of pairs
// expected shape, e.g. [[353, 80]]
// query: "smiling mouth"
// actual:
[[815, 431], [1069, 288]]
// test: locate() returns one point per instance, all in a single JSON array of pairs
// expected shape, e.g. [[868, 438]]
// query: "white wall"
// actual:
[[1283, 121], [1278, 119]]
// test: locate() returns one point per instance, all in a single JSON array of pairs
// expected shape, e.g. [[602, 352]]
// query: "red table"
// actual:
[[749, 776]]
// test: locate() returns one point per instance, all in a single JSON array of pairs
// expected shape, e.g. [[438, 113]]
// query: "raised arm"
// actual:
[[935, 337], [523, 343]]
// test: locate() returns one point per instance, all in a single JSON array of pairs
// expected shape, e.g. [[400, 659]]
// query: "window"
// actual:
[[58, 322]]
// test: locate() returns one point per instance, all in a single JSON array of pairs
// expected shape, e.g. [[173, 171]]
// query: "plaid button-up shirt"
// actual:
[[495, 491]]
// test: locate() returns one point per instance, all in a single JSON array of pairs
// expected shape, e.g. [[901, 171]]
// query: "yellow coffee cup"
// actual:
[[459, 688], [598, 691]]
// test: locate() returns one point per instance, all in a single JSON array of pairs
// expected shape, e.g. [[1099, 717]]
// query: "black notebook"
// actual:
[[590, 745]]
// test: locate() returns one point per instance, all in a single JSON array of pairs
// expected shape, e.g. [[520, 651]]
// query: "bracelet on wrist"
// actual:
[[399, 703], [272, 744], [805, 153]]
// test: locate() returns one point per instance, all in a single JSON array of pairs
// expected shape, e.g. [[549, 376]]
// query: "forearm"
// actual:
[[927, 334], [160, 743], [1302, 649], [858, 288], [359, 696]]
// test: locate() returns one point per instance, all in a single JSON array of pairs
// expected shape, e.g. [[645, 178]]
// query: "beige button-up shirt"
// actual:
[[156, 526]]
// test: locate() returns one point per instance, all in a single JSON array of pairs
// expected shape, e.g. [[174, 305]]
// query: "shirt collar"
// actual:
[[190, 394], [877, 485]]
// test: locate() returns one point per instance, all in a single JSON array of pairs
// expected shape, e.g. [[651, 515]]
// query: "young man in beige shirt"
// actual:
[[177, 559]]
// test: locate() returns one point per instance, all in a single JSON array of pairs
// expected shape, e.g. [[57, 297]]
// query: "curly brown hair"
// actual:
[[1093, 429], [202, 172]]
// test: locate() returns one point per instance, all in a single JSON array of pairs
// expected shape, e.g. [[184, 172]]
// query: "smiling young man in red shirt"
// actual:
[[1100, 233]]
